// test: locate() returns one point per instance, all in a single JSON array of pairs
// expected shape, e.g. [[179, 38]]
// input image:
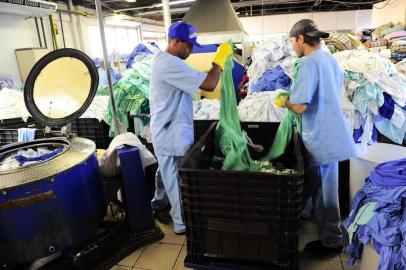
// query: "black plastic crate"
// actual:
[[200, 127], [242, 218], [383, 139], [92, 129], [8, 136], [15, 123]]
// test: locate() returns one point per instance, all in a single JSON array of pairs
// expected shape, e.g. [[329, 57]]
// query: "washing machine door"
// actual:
[[60, 87]]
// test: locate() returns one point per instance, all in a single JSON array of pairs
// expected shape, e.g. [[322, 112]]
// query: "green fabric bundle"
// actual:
[[131, 95], [229, 136], [284, 133]]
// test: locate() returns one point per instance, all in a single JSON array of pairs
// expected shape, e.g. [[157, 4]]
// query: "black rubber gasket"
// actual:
[[36, 70]]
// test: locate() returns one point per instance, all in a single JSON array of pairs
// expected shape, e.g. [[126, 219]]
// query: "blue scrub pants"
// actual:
[[322, 187], [167, 190]]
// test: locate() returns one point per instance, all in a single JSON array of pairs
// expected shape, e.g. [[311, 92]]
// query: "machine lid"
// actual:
[[60, 87]]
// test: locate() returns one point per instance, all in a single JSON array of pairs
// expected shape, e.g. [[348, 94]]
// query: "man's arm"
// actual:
[[212, 79], [297, 108]]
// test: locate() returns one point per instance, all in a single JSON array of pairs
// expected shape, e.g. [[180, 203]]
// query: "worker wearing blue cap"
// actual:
[[173, 83]]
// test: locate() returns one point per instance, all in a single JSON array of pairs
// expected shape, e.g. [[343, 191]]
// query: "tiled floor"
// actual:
[[169, 253]]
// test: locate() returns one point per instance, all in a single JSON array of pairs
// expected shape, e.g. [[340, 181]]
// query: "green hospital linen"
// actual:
[[229, 136]]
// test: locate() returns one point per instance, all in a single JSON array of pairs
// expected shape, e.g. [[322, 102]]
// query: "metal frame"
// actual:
[[107, 65]]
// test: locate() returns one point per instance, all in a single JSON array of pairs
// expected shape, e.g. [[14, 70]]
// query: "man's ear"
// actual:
[[300, 39]]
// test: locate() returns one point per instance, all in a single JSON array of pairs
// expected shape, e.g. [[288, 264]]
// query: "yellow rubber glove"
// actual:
[[280, 101], [223, 51]]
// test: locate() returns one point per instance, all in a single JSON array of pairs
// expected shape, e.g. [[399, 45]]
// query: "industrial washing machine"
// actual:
[[52, 198]]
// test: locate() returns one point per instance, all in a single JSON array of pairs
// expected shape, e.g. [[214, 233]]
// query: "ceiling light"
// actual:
[[131, 1], [177, 2]]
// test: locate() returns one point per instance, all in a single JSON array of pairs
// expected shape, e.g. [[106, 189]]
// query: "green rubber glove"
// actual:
[[223, 52]]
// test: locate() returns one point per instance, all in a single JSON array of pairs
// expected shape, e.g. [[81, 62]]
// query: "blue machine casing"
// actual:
[[48, 216], [138, 206]]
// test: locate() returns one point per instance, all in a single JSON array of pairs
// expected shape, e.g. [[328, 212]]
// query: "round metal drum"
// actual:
[[54, 201]]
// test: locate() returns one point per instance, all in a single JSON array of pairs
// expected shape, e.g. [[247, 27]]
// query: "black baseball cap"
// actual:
[[307, 27]]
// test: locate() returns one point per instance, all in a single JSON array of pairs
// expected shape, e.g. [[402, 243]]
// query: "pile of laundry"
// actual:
[[260, 107], [390, 39], [141, 51], [12, 104], [341, 41], [256, 107], [6, 81], [271, 80], [114, 75], [378, 216], [401, 67], [398, 48], [274, 168], [206, 109], [272, 65], [377, 91], [97, 108], [131, 95], [23, 158]]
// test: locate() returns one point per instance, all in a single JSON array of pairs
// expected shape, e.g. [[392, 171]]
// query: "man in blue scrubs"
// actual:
[[173, 83], [316, 95]]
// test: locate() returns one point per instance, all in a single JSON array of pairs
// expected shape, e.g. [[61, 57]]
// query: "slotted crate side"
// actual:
[[249, 244], [92, 129], [279, 221], [8, 136], [222, 208], [200, 127], [15, 123]]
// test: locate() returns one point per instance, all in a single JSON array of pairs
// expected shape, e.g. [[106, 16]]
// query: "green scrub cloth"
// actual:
[[365, 213], [229, 136], [284, 133]]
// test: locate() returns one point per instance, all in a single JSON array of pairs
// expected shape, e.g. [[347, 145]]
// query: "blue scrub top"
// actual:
[[325, 133], [173, 84]]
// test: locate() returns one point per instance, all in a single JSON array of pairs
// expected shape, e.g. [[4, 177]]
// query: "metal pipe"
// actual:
[[83, 13], [173, 11], [74, 26], [140, 33], [53, 34], [63, 33], [235, 4], [43, 33], [38, 33], [107, 65], [167, 16]]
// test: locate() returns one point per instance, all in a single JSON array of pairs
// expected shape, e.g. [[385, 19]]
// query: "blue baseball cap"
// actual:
[[185, 32]]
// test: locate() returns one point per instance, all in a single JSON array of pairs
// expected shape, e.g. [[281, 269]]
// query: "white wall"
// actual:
[[17, 32], [394, 11], [261, 27]]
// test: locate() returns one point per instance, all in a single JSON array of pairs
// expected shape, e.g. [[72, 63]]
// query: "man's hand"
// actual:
[[223, 52], [280, 101]]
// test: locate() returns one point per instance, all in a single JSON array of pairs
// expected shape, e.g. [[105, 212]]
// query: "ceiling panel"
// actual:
[[245, 8]]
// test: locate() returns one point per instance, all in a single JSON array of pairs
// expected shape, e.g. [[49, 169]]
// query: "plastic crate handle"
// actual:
[[224, 226]]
